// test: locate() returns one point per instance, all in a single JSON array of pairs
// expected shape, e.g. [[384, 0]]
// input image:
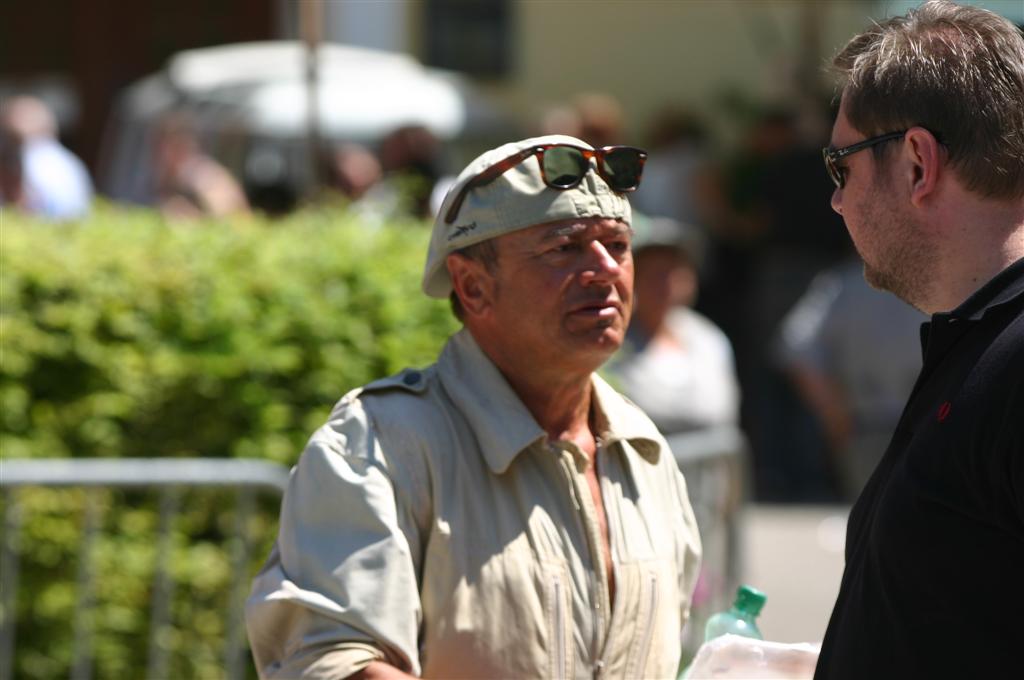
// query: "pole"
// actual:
[[311, 13]]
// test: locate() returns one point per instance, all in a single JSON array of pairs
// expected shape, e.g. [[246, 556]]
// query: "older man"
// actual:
[[503, 513], [935, 543]]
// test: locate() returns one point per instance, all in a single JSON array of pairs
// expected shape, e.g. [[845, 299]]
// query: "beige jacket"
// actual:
[[431, 524]]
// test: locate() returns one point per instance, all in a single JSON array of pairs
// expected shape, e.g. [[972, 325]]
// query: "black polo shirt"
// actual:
[[934, 579]]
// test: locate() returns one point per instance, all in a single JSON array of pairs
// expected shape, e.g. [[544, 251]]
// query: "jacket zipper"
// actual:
[[599, 578], [645, 641], [559, 628]]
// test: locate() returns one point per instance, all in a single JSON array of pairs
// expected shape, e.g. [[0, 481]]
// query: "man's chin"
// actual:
[[888, 283], [602, 343], [876, 279]]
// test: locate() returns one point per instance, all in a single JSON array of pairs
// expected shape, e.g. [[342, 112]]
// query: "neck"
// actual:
[[985, 239], [562, 410], [558, 399]]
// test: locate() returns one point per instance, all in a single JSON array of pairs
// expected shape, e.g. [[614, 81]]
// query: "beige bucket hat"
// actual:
[[515, 200]]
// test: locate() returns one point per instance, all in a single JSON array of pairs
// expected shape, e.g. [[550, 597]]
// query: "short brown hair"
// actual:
[[486, 253], [957, 71]]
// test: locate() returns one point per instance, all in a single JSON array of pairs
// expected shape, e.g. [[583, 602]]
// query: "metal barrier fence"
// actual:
[[711, 460], [170, 477]]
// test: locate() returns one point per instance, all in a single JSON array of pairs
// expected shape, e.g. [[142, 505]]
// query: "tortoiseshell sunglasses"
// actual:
[[563, 166]]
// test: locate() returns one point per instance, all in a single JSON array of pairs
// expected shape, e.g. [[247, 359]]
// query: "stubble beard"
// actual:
[[903, 261]]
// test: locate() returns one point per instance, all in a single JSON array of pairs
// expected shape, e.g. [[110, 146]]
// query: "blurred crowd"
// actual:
[[751, 309]]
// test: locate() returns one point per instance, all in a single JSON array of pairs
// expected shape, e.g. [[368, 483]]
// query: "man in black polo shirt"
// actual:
[[928, 158]]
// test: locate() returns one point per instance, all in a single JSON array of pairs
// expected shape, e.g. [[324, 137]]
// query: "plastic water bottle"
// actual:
[[740, 619]]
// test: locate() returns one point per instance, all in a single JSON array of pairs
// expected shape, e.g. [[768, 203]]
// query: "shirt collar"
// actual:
[[1005, 286], [504, 427]]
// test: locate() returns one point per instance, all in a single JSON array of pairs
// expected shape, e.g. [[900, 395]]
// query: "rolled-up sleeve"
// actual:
[[340, 588]]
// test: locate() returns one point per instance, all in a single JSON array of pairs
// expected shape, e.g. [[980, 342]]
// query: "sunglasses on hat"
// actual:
[[563, 166]]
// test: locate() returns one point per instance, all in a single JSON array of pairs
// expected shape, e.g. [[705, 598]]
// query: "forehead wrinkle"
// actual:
[[566, 230], [582, 227]]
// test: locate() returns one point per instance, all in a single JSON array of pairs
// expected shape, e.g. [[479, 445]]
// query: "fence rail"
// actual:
[[142, 472]]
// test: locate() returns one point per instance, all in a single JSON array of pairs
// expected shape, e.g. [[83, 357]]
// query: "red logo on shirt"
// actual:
[[944, 410]]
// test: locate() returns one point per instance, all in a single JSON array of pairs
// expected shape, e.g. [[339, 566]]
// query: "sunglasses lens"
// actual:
[[622, 168], [564, 166], [833, 170], [837, 175]]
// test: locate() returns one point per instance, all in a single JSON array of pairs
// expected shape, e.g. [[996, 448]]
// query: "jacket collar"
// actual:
[[504, 426], [619, 419]]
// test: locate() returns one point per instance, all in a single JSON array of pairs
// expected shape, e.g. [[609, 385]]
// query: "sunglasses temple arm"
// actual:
[[486, 177], [453, 211]]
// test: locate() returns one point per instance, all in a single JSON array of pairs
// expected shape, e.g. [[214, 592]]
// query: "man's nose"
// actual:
[[837, 200], [601, 265]]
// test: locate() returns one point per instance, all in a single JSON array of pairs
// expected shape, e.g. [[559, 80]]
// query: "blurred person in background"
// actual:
[[595, 117], [560, 119], [769, 238], [601, 118], [676, 170], [927, 156], [737, 223], [853, 354], [484, 517], [39, 175], [189, 183], [802, 237], [410, 160], [676, 365], [354, 170]]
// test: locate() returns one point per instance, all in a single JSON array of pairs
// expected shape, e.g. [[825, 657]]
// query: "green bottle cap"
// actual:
[[749, 600]]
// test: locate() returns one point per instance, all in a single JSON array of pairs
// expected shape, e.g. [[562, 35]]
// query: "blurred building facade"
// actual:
[[77, 54]]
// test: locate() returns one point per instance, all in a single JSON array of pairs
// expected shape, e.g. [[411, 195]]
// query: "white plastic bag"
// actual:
[[741, 658]]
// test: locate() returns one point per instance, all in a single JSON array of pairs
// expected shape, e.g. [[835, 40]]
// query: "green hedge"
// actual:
[[127, 336], [124, 336]]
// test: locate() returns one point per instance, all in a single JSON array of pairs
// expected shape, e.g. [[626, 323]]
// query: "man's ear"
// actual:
[[926, 164], [473, 284]]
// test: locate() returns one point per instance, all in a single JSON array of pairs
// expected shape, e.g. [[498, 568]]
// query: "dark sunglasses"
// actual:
[[563, 166], [833, 156]]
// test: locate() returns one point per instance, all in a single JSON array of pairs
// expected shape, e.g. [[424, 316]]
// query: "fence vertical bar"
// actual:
[[738, 480], [9, 568], [234, 643], [82, 657], [163, 585]]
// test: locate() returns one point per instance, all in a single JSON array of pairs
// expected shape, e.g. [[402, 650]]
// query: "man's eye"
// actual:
[[566, 248]]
